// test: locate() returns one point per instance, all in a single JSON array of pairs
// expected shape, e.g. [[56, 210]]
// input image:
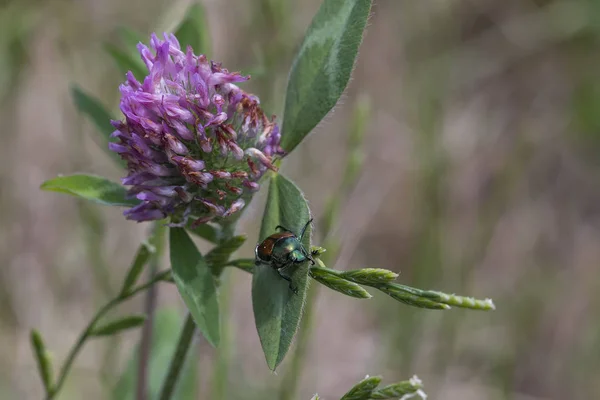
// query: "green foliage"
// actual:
[[43, 360], [245, 264], [277, 309], [193, 30], [127, 61], [369, 275], [367, 389], [130, 37], [363, 389], [195, 283], [335, 282], [322, 66], [141, 258], [218, 256], [165, 332], [399, 390], [93, 109], [119, 325], [207, 232], [90, 187]]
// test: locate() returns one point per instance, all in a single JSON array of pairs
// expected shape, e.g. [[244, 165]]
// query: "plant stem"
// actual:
[[151, 294], [64, 371], [78, 345], [178, 360]]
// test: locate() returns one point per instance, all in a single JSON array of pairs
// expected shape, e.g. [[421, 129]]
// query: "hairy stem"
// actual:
[[178, 360]]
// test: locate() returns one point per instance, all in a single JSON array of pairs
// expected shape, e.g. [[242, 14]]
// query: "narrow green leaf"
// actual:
[[193, 30], [90, 106], [195, 283], [277, 310], [206, 232], [119, 325], [460, 301], [338, 283], [125, 61], [99, 116], [362, 390], [141, 258], [369, 276], [245, 264], [90, 187], [400, 389], [322, 66], [410, 296], [316, 251], [43, 361], [165, 332], [218, 256], [130, 38]]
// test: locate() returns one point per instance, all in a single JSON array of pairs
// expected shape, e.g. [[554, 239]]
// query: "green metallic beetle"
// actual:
[[283, 249]]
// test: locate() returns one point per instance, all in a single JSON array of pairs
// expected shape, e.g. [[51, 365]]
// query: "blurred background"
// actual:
[[477, 173]]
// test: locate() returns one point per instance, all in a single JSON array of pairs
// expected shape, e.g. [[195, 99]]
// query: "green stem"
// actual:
[[178, 360], [157, 239], [78, 345], [91, 325]]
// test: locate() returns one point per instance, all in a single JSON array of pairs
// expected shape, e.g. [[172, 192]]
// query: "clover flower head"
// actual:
[[195, 143]]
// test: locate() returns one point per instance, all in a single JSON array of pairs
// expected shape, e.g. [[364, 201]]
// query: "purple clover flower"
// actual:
[[195, 144]]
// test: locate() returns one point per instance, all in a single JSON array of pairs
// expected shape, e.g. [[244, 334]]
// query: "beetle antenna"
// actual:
[[304, 229]]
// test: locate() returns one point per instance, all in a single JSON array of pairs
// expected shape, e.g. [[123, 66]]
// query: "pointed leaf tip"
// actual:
[[43, 360]]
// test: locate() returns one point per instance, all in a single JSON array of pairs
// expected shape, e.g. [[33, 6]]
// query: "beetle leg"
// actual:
[[287, 278], [308, 256]]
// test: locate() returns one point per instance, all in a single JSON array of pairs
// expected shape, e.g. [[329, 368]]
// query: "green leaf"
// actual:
[[368, 276], [400, 389], [245, 264], [131, 38], [193, 30], [206, 232], [322, 66], [165, 332], [362, 390], [43, 361], [126, 61], [218, 256], [100, 117], [119, 325], [337, 283], [90, 187], [277, 309], [195, 283], [141, 258]]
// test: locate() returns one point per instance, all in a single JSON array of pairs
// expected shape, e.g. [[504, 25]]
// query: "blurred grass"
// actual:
[[481, 173]]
